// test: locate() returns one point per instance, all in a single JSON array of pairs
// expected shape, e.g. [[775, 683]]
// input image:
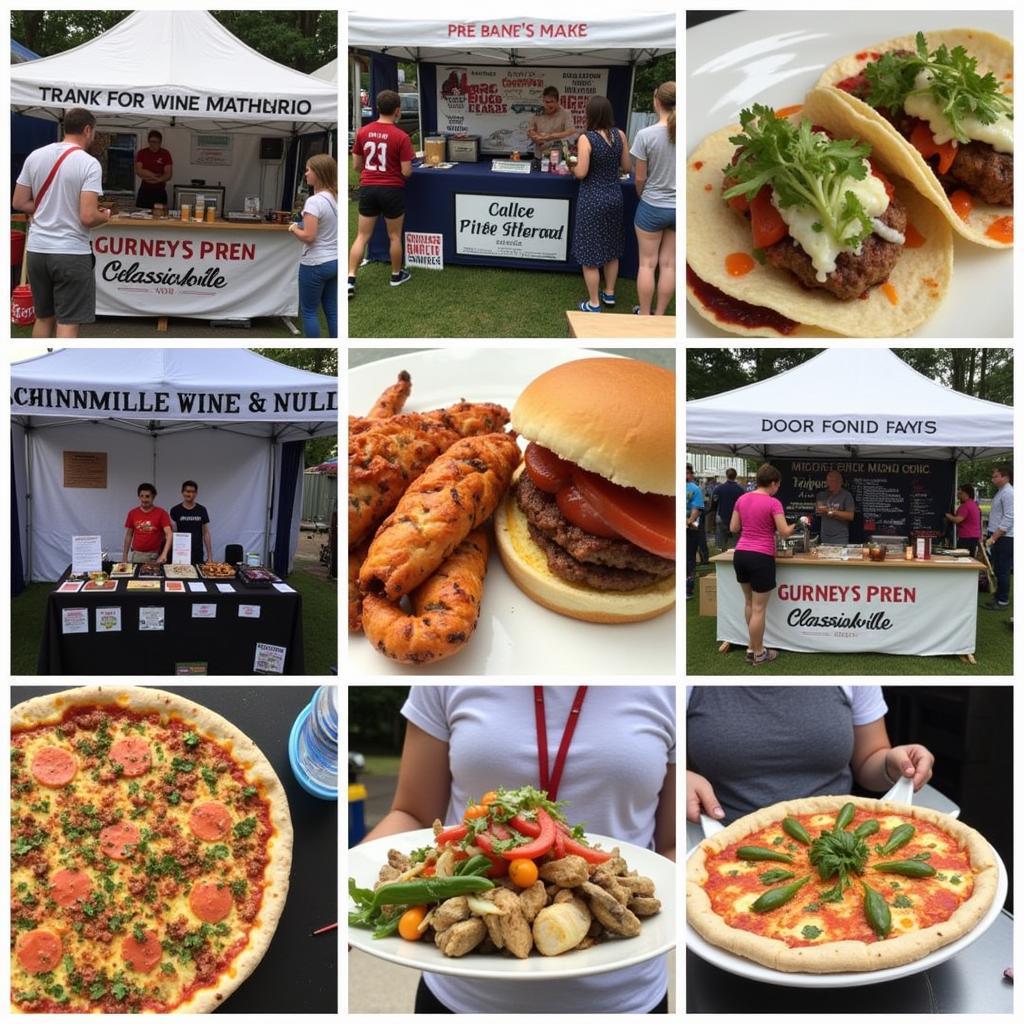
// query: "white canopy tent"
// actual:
[[329, 72], [217, 416], [843, 402]]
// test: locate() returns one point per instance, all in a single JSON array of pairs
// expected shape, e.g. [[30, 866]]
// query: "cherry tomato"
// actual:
[[766, 222], [489, 798], [546, 469], [523, 872], [429, 871], [409, 922], [648, 520], [475, 811], [582, 513]]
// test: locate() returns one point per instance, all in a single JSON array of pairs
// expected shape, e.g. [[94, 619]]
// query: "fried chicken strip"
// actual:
[[356, 557], [445, 609], [459, 491], [392, 399]]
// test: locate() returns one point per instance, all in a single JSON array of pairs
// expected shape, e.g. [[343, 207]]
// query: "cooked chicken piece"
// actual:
[[399, 860], [596, 929], [644, 906], [450, 912], [552, 890], [515, 932], [637, 885], [615, 866], [388, 873], [437, 827], [611, 884], [587, 942], [610, 912], [392, 398], [563, 896], [356, 557], [532, 900], [561, 927], [487, 946], [566, 871], [461, 938]]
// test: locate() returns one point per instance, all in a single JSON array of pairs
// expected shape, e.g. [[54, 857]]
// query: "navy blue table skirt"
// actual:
[[430, 206]]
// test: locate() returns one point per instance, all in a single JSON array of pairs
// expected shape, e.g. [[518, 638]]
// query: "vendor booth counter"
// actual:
[[924, 607], [224, 644], [438, 201], [169, 267]]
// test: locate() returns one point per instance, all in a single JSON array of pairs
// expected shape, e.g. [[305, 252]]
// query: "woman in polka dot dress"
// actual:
[[597, 235]]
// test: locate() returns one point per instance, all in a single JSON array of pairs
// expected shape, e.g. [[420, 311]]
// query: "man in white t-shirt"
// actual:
[[60, 263]]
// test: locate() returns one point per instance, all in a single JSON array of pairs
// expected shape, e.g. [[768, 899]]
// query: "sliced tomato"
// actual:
[[648, 520], [765, 221], [581, 513], [546, 470], [923, 141], [739, 204]]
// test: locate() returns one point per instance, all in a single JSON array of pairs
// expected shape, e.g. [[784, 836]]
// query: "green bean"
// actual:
[[900, 836], [910, 868], [474, 865], [428, 890], [876, 910], [775, 898], [844, 817], [793, 828], [866, 828], [775, 875], [762, 853]]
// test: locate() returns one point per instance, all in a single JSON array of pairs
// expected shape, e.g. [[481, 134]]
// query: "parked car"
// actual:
[[409, 120]]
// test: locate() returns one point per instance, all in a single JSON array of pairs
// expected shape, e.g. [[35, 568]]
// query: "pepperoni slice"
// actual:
[[118, 841], [69, 887], [210, 901], [39, 950], [210, 821], [132, 754], [142, 956], [54, 767]]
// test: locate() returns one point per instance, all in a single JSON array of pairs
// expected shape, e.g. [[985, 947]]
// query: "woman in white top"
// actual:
[[618, 777], [318, 267]]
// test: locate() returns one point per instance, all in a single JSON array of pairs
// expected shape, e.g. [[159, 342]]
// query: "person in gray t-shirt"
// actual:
[[835, 508]]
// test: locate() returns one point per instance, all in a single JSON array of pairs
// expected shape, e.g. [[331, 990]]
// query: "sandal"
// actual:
[[764, 657], [586, 307], [608, 300]]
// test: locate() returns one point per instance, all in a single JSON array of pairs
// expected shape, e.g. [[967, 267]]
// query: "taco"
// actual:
[[796, 229], [938, 106]]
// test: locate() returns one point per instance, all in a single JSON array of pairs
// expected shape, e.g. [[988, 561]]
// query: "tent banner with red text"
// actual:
[[211, 272]]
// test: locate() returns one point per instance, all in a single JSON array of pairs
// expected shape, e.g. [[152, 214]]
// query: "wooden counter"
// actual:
[[174, 224], [931, 564], [607, 326]]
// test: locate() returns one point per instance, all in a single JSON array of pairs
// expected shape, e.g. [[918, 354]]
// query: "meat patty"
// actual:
[[600, 577], [541, 509], [982, 171], [854, 274]]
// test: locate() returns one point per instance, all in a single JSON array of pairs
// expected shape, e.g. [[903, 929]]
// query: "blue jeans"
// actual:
[[318, 286]]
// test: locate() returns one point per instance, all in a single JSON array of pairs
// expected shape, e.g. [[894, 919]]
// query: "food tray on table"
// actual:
[[150, 569], [125, 569], [144, 585], [257, 576], [180, 571], [217, 571]]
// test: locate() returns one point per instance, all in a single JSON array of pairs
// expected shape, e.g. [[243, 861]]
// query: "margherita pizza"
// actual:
[[150, 852], [835, 883]]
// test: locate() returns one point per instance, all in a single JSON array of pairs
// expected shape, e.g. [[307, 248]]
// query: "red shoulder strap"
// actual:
[[53, 171]]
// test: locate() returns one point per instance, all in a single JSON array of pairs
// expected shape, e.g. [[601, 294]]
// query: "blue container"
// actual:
[[356, 813], [313, 745]]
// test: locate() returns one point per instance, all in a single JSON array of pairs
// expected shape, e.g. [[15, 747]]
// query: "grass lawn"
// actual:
[[319, 623], [994, 653], [382, 764]]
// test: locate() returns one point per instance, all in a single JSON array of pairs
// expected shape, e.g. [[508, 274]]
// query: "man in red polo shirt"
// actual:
[[154, 166], [382, 155], [147, 536]]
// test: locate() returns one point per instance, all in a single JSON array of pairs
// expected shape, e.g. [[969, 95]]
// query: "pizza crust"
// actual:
[[51, 707], [844, 955]]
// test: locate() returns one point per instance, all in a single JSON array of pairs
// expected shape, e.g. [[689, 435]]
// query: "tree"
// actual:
[[712, 371], [49, 32], [375, 719], [649, 76]]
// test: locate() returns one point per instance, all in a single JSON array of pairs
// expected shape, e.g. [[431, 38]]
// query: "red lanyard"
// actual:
[[546, 783]]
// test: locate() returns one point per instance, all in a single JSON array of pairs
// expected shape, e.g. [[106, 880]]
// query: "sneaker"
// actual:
[[400, 278], [636, 311], [996, 606], [586, 307], [351, 287], [764, 657], [608, 300]]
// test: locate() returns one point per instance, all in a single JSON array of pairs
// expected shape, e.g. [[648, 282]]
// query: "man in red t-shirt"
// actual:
[[382, 154], [154, 166], [147, 536]]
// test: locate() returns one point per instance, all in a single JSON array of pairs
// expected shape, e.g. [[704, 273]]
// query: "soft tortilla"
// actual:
[[920, 278], [993, 53]]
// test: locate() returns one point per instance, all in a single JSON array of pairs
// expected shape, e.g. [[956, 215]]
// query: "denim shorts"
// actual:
[[654, 218]]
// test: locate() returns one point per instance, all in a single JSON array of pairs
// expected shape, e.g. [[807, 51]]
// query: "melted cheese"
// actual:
[[922, 104]]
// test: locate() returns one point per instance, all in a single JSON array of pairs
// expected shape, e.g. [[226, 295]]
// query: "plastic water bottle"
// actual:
[[313, 745]]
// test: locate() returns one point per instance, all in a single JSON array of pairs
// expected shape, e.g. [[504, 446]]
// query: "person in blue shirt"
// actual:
[[999, 539], [725, 495], [694, 508]]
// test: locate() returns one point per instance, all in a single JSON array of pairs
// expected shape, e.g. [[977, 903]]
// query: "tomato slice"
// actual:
[[766, 222], [648, 520], [923, 141], [581, 513], [546, 469]]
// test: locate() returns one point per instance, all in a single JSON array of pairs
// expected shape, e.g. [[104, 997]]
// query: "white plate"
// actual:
[[775, 58], [758, 972], [515, 635], [657, 934]]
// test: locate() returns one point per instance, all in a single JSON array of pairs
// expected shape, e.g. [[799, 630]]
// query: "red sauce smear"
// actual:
[[709, 187], [1001, 230], [737, 264], [914, 238], [728, 310], [890, 293], [786, 111], [698, 164], [962, 203]]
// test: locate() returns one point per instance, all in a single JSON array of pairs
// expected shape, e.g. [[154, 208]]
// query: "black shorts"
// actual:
[[756, 569], [382, 200]]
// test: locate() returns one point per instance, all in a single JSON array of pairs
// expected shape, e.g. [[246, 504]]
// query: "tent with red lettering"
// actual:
[[232, 420]]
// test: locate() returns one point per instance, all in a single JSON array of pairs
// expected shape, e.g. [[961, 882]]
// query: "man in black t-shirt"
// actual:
[[191, 517]]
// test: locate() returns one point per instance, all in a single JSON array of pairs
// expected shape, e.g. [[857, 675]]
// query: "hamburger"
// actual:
[[588, 526]]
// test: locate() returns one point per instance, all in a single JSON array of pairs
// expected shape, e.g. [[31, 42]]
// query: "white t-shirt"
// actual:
[[57, 225], [325, 247], [866, 703], [614, 772]]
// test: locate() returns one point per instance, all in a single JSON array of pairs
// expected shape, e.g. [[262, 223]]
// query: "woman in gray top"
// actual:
[[654, 150]]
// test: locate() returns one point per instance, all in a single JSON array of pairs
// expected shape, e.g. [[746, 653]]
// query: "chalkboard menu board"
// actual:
[[896, 497]]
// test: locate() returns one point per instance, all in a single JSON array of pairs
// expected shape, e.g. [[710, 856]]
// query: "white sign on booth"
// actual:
[[424, 249], [511, 226], [86, 553], [181, 548]]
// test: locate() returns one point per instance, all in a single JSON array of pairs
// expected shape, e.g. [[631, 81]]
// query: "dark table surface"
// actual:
[[299, 973], [226, 643]]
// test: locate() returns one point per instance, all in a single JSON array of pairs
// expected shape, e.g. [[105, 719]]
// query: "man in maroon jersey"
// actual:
[[382, 154], [155, 167]]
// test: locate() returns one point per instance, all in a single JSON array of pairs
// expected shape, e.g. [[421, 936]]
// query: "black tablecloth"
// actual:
[[226, 643], [299, 972]]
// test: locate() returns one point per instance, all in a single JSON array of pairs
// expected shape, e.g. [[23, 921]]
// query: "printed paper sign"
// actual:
[[269, 660], [151, 619], [69, 587], [74, 620], [174, 587], [204, 611], [424, 249], [524, 228], [225, 588], [197, 588], [248, 611], [284, 588], [86, 554], [108, 620], [182, 548]]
